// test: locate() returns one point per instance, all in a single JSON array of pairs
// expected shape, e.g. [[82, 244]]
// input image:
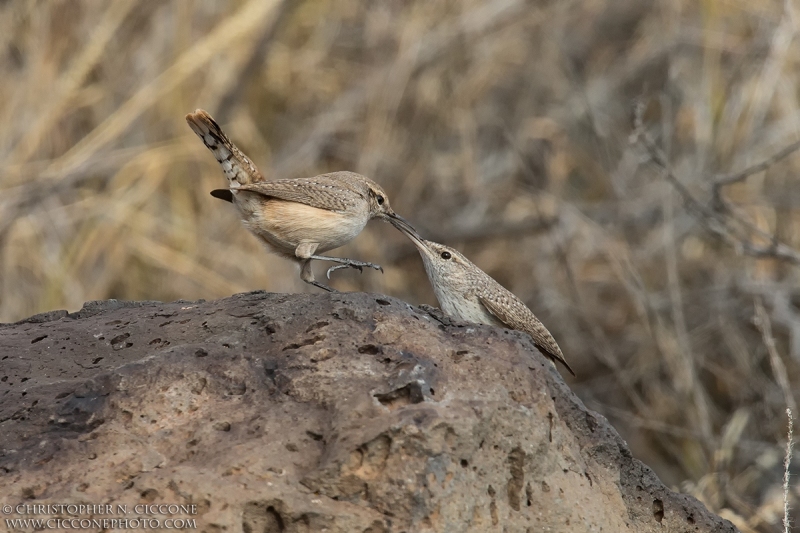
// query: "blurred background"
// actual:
[[589, 155]]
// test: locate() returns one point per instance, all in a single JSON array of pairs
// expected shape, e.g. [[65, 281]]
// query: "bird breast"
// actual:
[[464, 307], [285, 225]]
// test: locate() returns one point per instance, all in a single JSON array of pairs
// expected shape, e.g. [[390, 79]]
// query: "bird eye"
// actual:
[[446, 255], [380, 200]]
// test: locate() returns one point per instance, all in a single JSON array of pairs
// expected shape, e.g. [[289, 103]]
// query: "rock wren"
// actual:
[[467, 293], [296, 218]]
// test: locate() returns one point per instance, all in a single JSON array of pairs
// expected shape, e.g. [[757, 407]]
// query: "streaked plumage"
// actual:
[[467, 293], [296, 218]]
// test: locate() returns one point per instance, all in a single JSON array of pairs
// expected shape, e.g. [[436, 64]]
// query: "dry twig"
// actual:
[[725, 223]]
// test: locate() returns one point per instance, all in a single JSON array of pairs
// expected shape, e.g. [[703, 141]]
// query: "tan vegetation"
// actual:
[[504, 128]]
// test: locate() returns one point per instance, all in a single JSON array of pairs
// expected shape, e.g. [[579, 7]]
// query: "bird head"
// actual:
[[443, 264], [379, 206]]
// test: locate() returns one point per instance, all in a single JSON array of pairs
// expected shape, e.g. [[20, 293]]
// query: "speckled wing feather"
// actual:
[[236, 166], [333, 192], [516, 315]]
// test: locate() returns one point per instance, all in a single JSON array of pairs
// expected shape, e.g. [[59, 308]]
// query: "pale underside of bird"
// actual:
[[467, 293], [295, 218]]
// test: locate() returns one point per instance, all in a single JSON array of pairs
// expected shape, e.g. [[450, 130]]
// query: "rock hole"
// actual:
[[320, 324], [200, 352], [369, 349], [119, 338], [314, 436], [184, 321], [464, 463], [149, 495], [516, 466], [690, 519], [658, 510], [256, 519], [433, 392], [381, 301], [493, 506], [113, 322], [154, 341], [411, 393], [37, 339], [96, 360], [269, 329], [62, 395], [306, 342], [165, 323], [528, 494]]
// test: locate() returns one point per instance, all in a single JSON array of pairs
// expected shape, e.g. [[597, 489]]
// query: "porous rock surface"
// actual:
[[305, 413]]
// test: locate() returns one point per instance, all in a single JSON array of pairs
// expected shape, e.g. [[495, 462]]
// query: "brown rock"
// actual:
[[340, 413]]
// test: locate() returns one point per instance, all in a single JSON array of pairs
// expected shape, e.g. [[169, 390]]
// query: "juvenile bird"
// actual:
[[467, 293], [296, 218]]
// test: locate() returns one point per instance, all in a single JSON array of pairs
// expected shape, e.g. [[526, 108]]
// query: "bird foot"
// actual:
[[352, 263]]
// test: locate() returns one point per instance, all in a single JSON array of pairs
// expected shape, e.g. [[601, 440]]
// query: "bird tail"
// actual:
[[553, 352], [237, 167]]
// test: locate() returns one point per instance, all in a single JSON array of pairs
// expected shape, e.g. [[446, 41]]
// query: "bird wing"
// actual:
[[516, 315], [323, 192]]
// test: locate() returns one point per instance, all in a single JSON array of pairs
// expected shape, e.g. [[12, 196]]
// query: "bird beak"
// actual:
[[403, 225]]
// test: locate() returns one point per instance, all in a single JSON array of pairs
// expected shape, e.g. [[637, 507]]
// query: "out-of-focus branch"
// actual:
[[725, 223], [718, 202], [764, 325]]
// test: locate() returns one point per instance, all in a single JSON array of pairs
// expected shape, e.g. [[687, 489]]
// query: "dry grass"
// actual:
[[501, 127]]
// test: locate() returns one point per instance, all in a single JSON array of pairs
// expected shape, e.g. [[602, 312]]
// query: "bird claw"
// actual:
[[335, 267], [358, 265]]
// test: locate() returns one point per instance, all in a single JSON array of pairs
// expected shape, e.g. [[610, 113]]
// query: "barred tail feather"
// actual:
[[238, 168]]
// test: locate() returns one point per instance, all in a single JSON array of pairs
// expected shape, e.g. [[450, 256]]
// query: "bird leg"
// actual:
[[307, 275], [305, 251]]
